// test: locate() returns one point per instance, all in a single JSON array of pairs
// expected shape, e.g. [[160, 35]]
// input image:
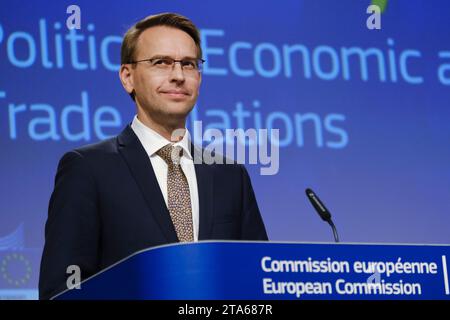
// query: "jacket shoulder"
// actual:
[[101, 147]]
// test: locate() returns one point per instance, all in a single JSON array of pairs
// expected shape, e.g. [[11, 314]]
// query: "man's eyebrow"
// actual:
[[160, 56]]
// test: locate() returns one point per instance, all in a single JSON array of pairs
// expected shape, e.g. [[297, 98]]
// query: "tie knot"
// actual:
[[170, 154]]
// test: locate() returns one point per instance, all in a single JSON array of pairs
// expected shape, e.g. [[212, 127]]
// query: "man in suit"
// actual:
[[144, 187]]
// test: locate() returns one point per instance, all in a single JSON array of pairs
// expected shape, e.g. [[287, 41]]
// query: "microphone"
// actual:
[[322, 211]]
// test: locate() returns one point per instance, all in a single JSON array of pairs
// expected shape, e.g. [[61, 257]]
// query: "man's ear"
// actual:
[[125, 74]]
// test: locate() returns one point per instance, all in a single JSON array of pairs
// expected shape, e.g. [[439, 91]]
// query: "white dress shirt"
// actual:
[[152, 142]]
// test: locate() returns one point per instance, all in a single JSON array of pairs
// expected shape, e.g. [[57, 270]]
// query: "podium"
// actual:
[[230, 270]]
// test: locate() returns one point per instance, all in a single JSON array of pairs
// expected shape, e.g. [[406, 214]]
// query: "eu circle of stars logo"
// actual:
[[15, 269]]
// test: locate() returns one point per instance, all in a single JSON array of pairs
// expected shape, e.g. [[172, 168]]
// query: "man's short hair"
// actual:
[[172, 20]]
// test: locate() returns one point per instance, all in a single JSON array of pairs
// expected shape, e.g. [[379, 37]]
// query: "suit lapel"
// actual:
[[141, 169], [205, 178]]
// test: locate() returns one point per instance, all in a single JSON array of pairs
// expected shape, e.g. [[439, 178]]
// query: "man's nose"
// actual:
[[177, 73]]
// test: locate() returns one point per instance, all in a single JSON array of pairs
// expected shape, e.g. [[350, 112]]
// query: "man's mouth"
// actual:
[[175, 93]]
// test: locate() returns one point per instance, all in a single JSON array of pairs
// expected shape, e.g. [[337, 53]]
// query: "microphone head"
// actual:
[[318, 205]]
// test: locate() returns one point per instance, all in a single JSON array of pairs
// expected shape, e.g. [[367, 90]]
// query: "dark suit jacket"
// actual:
[[107, 204]]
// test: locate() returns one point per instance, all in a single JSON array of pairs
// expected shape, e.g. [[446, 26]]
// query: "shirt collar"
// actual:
[[152, 141]]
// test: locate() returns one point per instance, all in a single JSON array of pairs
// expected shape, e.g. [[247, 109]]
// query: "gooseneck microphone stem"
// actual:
[[335, 233]]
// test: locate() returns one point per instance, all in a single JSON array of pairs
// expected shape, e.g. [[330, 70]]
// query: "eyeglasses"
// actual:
[[166, 64]]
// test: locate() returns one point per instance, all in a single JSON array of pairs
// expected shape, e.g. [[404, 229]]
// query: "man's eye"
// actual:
[[163, 62], [188, 64]]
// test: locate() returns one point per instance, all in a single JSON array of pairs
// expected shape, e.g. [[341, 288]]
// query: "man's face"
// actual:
[[164, 96]]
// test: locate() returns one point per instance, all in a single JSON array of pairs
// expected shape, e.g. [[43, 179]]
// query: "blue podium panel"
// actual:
[[271, 270]]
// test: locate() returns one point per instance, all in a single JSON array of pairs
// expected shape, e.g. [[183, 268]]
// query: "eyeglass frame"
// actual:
[[170, 58]]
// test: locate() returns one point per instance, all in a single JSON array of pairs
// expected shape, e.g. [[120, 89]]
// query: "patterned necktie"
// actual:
[[178, 195]]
